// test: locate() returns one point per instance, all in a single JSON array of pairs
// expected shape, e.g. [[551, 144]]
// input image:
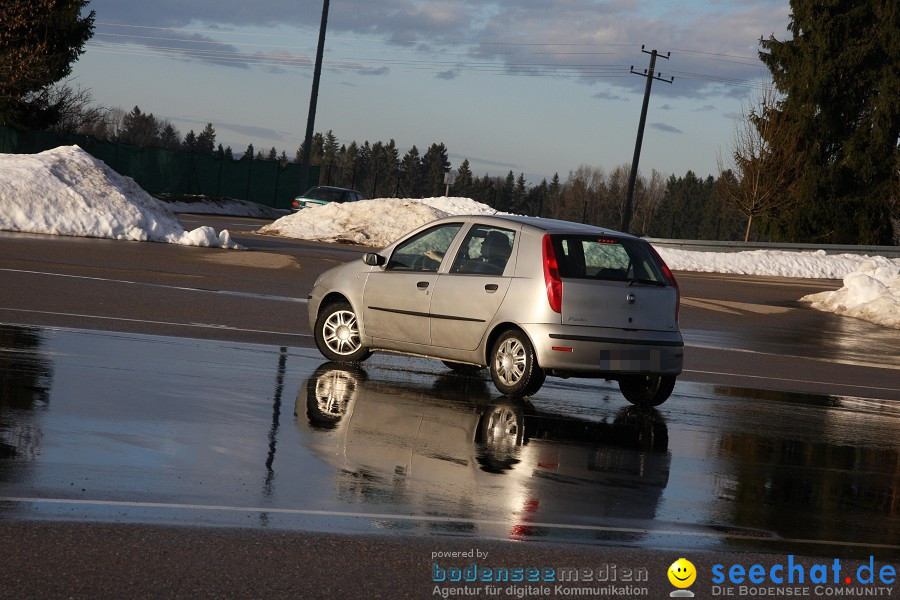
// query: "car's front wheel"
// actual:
[[647, 390], [514, 367], [337, 334]]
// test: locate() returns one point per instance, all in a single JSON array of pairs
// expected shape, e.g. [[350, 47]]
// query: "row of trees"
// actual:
[[686, 206], [815, 159]]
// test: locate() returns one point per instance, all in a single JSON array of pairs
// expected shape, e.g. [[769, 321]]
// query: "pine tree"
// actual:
[[505, 200], [553, 196], [519, 194], [839, 78], [411, 173], [190, 141], [248, 153], [206, 141], [435, 163], [349, 165], [39, 42], [140, 129], [464, 183], [170, 138]]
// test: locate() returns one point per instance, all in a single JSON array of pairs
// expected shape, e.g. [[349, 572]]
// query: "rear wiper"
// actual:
[[633, 281]]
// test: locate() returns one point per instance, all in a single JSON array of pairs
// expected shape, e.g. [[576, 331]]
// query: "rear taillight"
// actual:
[[672, 281], [551, 276]]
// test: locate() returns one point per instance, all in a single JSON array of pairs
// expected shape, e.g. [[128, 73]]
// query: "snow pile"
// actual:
[[775, 263], [871, 292], [376, 222], [66, 191]]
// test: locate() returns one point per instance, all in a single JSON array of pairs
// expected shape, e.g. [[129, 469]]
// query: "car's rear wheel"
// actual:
[[337, 334], [514, 367], [647, 390]]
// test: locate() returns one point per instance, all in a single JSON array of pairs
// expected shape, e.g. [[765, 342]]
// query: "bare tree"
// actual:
[[648, 202], [763, 160], [76, 113]]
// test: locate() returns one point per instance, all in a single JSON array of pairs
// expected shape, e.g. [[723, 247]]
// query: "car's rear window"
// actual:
[[608, 258]]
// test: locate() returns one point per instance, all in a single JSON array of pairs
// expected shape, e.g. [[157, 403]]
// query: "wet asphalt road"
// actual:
[[180, 387]]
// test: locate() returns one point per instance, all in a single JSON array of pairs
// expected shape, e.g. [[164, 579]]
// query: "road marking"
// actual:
[[836, 361], [152, 322], [734, 308], [768, 378], [505, 523], [168, 287]]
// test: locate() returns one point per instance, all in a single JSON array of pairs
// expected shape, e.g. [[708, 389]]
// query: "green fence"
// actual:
[[161, 171]]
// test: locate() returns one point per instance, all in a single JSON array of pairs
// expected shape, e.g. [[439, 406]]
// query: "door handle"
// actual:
[[422, 285], [491, 287]]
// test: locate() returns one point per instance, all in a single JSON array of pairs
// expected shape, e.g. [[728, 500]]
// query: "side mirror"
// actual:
[[373, 259]]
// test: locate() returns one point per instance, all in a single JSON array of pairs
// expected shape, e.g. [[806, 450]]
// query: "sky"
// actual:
[[533, 86]]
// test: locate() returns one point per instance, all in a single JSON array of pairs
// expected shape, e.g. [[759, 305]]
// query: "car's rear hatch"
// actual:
[[615, 282]]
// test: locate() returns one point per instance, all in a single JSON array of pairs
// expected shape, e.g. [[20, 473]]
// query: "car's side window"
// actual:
[[486, 250], [425, 251]]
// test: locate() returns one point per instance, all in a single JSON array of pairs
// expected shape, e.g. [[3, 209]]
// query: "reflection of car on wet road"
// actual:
[[454, 448], [526, 297]]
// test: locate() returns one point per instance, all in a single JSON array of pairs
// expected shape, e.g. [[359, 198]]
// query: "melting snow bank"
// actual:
[[774, 263], [871, 292], [66, 191], [871, 284], [371, 222]]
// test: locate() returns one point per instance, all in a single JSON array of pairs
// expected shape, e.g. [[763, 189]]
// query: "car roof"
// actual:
[[330, 187], [554, 226]]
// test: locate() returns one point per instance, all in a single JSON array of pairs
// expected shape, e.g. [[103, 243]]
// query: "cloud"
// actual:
[[714, 46], [666, 128], [448, 75], [608, 95], [251, 131]]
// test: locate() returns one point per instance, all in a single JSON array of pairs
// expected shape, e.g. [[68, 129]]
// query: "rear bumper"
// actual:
[[597, 351]]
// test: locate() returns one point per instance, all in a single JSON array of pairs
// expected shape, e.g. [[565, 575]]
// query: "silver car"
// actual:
[[523, 296]]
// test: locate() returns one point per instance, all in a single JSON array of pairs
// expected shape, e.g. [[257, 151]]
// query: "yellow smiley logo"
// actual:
[[682, 573]]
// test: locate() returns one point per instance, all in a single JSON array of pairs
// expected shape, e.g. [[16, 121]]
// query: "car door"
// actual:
[[467, 297], [397, 299]]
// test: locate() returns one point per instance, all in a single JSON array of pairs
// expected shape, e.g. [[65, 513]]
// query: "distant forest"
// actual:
[[686, 207]]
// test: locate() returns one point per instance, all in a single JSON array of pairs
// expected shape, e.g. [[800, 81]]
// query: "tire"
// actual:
[[462, 368], [647, 390], [337, 334], [514, 367]]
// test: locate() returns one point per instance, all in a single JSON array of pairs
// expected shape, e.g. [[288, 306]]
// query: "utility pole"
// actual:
[[314, 98], [649, 74]]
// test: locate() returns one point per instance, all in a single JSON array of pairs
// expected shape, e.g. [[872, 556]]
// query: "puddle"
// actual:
[[119, 427]]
